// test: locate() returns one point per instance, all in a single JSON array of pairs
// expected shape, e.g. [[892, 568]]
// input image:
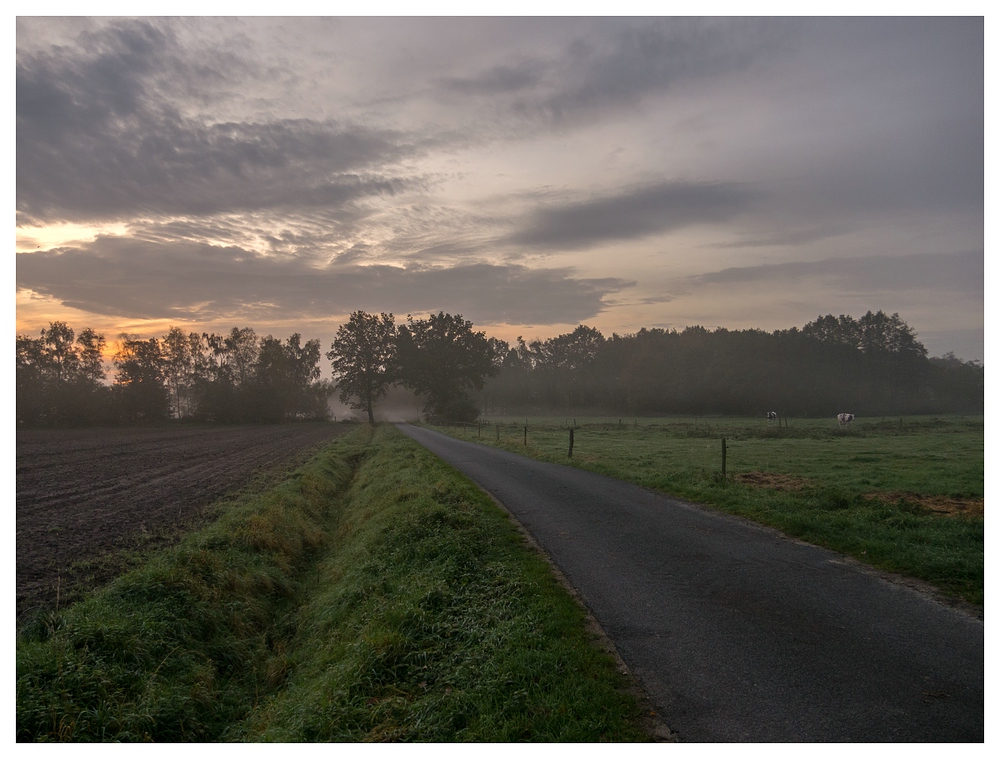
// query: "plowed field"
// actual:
[[89, 500]]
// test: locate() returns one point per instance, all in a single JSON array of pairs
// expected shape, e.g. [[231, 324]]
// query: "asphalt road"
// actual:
[[737, 632]]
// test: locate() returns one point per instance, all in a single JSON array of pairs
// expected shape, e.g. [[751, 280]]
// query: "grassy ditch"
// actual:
[[902, 494], [182, 647], [376, 595]]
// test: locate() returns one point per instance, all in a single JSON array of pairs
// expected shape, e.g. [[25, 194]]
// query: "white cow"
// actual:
[[845, 419]]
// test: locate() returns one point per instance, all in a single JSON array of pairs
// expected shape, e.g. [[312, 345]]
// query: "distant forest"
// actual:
[[871, 366]]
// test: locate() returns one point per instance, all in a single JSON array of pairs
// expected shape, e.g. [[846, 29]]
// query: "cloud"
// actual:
[[496, 80], [632, 214], [99, 135], [151, 280], [623, 63], [955, 272]]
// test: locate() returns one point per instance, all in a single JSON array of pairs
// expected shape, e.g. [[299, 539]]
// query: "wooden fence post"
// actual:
[[571, 442], [498, 432], [723, 457], [525, 436]]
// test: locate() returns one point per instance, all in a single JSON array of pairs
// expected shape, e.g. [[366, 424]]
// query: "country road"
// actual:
[[736, 632]]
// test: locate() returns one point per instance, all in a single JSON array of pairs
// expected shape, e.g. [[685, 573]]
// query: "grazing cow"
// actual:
[[845, 419], [772, 415]]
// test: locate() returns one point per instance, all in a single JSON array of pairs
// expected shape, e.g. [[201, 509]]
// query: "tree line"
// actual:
[[874, 365], [233, 378], [242, 378]]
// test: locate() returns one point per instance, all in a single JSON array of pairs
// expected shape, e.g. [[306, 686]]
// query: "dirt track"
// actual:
[[86, 495]]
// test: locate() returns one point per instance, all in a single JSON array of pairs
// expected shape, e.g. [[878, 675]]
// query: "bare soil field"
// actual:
[[90, 502]]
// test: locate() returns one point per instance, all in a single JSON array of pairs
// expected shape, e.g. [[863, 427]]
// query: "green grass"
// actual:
[[433, 623], [860, 486], [375, 595]]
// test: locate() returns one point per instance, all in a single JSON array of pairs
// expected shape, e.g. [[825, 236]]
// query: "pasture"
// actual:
[[904, 494]]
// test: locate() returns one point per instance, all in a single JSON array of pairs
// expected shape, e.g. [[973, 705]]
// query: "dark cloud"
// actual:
[[133, 279], [97, 139], [954, 272], [633, 214], [496, 80], [627, 61]]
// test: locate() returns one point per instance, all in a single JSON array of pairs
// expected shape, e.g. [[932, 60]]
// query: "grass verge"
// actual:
[[860, 491], [375, 595], [432, 621]]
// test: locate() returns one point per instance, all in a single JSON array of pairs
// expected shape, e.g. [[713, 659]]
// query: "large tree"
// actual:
[[362, 358], [442, 359]]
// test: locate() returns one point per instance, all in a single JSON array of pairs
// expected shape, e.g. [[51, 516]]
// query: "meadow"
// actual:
[[903, 494], [374, 595]]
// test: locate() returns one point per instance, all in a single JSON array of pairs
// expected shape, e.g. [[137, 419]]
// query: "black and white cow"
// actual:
[[845, 419], [772, 415]]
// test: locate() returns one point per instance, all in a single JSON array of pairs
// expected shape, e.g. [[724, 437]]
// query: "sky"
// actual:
[[531, 174]]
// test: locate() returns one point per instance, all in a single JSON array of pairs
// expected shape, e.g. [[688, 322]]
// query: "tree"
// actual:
[[59, 382], [91, 355], [442, 359], [240, 351], [282, 386], [62, 357], [362, 357], [178, 366], [139, 380]]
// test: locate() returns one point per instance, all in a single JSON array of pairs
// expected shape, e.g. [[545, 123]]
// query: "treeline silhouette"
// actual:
[[869, 366], [234, 378]]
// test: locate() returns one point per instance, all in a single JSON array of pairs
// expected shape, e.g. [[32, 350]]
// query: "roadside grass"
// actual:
[[901, 494], [432, 621], [374, 595]]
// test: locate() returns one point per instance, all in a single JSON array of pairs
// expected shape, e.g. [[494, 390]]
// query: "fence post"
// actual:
[[723, 457], [498, 432], [525, 436], [571, 442]]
